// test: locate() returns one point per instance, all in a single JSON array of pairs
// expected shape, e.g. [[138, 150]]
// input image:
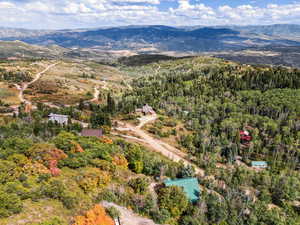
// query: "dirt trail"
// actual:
[[51, 105], [128, 217], [146, 119], [96, 94], [25, 85], [97, 91], [165, 149]]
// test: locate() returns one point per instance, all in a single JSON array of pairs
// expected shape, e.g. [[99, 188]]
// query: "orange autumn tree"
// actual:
[[76, 147], [95, 216], [106, 140], [120, 160]]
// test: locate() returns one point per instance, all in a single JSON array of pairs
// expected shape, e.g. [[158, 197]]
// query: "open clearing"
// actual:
[[65, 83]]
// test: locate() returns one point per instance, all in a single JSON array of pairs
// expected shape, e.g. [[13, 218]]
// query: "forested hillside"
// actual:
[[214, 120], [219, 101], [49, 174]]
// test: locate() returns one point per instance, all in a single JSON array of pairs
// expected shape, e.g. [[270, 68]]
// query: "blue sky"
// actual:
[[61, 14]]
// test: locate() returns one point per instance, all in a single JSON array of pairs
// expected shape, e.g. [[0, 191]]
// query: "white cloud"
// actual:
[[75, 8], [154, 2], [95, 13], [6, 5], [247, 14], [39, 6]]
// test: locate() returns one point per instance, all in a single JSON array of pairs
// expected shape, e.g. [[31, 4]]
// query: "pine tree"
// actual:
[[111, 105]]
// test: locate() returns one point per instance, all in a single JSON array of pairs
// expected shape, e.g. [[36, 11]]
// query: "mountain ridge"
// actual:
[[167, 38]]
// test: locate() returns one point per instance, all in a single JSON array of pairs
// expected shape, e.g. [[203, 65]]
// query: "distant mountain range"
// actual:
[[153, 39], [275, 44]]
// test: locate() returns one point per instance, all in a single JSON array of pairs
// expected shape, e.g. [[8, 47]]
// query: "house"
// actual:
[[185, 112], [92, 133], [60, 119], [245, 136], [190, 187], [147, 109], [259, 164]]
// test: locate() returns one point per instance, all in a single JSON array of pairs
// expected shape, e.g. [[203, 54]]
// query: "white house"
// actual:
[[60, 119]]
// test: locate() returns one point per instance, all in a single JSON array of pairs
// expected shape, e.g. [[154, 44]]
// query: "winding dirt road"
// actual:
[[24, 86], [159, 146], [165, 149]]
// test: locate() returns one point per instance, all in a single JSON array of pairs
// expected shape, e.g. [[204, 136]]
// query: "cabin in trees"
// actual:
[[146, 110], [245, 136], [190, 187], [259, 164], [60, 119], [92, 133]]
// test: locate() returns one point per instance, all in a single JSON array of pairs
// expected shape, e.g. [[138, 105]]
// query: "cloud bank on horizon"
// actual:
[[61, 14]]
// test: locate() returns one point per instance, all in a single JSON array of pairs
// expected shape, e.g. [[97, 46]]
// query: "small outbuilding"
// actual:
[[92, 133], [146, 109], [190, 187], [60, 119], [259, 164]]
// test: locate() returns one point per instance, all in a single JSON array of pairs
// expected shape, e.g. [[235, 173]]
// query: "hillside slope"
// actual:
[[235, 115]]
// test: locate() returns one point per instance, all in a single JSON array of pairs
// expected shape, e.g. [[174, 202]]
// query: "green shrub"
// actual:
[[172, 199], [69, 199], [52, 221], [57, 190], [107, 195], [160, 216], [9, 204], [103, 165], [113, 212], [139, 185]]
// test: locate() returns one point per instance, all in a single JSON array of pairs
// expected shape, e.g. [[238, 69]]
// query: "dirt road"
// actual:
[[127, 216], [25, 85], [165, 149], [146, 119]]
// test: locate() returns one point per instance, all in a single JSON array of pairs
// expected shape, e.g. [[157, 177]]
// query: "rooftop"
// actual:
[[259, 163], [91, 132], [57, 115], [189, 185]]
